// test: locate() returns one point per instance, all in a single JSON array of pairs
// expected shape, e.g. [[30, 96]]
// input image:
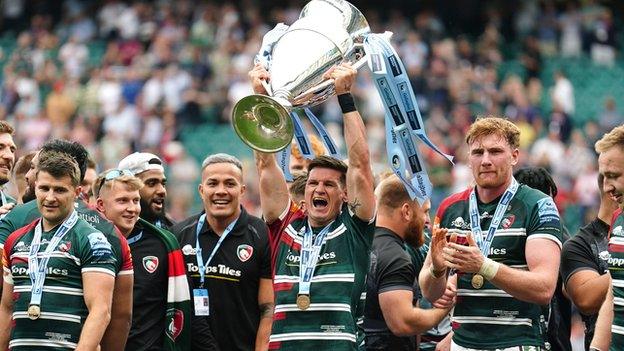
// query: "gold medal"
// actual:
[[303, 301], [34, 312], [477, 281]]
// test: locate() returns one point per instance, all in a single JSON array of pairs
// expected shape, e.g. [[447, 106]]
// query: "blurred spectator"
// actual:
[[60, 107], [74, 54], [563, 93], [603, 43], [610, 117], [571, 36]]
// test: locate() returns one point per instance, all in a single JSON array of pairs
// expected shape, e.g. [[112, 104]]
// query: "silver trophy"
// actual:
[[327, 33]]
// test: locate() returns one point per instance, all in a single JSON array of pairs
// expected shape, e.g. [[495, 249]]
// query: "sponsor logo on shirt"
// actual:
[[296, 258], [218, 269], [177, 323], [99, 244], [460, 224], [618, 231], [189, 250], [21, 247], [23, 270], [150, 263], [547, 210], [244, 252], [618, 262]]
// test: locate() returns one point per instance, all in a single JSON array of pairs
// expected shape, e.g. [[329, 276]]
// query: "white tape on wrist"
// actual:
[[489, 268]]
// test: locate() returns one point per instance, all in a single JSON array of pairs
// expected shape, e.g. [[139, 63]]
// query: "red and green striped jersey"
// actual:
[[63, 311], [337, 285], [490, 318]]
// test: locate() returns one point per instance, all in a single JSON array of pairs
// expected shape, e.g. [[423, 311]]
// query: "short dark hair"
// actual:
[[71, 148], [5, 127], [297, 187], [537, 178], [91, 164], [331, 163], [59, 165], [22, 165]]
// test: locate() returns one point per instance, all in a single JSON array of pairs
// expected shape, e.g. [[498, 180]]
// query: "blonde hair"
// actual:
[[132, 182], [485, 126], [614, 138], [317, 147]]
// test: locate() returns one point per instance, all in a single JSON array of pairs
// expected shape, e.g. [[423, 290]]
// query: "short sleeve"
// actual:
[[544, 221], [7, 226], [394, 270], [97, 254], [576, 255]]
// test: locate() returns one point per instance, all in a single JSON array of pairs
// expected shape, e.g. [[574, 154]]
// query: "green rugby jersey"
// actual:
[[337, 285], [489, 317], [63, 311], [24, 214], [616, 267]]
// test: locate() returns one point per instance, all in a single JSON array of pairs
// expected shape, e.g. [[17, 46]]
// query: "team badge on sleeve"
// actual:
[[244, 252], [150, 263]]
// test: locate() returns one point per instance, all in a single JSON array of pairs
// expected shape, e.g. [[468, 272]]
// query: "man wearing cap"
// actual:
[[161, 301], [229, 261], [149, 168], [117, 331]]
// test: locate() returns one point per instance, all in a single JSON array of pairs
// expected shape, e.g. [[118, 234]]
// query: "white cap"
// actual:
[[140, 162]]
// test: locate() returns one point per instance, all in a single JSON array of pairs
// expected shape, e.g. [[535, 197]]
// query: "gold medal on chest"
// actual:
[[477, 281], [34, 312], [303, 301]]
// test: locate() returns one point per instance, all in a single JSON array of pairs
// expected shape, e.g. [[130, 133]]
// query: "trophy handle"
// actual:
[[317, 94]]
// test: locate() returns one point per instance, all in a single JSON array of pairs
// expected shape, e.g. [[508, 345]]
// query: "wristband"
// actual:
[[434, 274], [489, 268], [346, 103]]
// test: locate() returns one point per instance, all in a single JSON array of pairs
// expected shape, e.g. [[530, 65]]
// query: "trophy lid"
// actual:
[[353, 20]]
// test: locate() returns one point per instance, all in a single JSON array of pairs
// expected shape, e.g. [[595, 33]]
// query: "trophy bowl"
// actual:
[[327, 33]]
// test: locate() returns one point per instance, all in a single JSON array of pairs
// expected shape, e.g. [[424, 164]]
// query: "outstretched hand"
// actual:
[[438, 242]]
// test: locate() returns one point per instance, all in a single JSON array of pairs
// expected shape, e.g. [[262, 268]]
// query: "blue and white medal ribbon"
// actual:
[[37, 267], [401, 133], [322, 132], [198, 250], [484, 244], [309, 257]]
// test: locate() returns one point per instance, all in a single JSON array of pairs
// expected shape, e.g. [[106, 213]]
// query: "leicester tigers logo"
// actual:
[[244, 252], [150, 263]]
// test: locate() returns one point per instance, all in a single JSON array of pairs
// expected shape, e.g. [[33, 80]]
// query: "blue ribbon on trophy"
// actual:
[[300, 135], [399, 101]]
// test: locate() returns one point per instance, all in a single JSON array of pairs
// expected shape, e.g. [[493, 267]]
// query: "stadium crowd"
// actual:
[[166, 66]]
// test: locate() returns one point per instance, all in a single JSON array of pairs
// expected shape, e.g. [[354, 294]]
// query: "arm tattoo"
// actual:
[[266, 310], [353, 206]]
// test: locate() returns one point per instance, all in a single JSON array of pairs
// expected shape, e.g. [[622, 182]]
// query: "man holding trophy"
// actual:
[[320, 258]]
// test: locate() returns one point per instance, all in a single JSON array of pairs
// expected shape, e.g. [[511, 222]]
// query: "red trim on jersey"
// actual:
[[126, 265], [275, 345], [282, 286], [10, 242], [457, 197], [276, 231]]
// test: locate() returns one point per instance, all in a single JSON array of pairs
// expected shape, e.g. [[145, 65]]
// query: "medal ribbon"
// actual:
[[198, 250], [37, 267], [309, 256], [475, 220], [330, 145], [4, 202]]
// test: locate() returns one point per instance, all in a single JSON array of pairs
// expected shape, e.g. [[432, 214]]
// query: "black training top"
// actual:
[[586, 250], [149, 300], [232, 278], [391, 268]]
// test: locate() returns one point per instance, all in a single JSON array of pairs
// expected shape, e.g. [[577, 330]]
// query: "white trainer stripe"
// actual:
[[42, 342], [618, 301], [492, 320], [50, 315], [545, 236], [618, 283], [51, 289], [339, 307], [484, 292], [617, 329], [312, 336], [323, 278]]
